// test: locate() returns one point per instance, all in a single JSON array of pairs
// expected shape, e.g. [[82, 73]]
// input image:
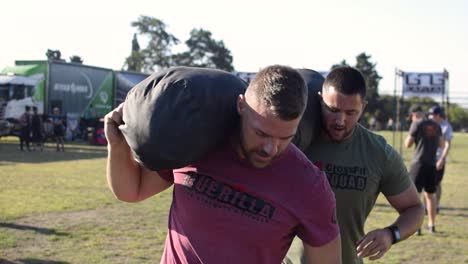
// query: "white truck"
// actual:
[[16, 92]]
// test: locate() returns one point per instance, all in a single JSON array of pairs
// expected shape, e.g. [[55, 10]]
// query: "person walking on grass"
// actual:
[[426, 135], [437, 114]]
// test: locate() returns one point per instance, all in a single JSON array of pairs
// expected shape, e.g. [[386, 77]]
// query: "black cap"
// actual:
[[436, 110]]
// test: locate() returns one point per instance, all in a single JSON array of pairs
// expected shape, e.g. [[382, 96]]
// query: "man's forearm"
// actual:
[[123, 173], [445, 150], [410, 220], [408, 142]]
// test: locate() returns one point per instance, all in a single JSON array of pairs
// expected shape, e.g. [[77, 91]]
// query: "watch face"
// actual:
[[397, 234]]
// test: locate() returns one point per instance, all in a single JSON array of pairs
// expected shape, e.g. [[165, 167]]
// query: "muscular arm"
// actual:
[[329, 253], [411, 213], [410, 210], [128, 180]]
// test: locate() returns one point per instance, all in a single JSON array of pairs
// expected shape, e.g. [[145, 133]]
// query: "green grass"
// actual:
[[450, 244], [50, 181], [55, 208]]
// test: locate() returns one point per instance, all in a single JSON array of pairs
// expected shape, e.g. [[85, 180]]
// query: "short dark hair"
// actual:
[[346, 80], [27, 108], [415, 109], [282, 89]]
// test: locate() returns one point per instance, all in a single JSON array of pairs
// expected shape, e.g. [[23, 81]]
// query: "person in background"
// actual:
[[437, 114], [89, 120], [25, 128], [359, 165], [390, 124], [427, 137], [37, 129], [253, 189], [59, 128]]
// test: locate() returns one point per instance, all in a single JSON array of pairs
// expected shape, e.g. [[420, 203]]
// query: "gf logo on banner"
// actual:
[[423, 84]]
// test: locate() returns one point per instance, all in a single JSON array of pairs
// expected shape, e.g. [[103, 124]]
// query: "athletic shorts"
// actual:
[[425, 176], [440, 175]]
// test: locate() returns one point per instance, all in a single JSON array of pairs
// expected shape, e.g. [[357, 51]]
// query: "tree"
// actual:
[[135, 62], [76, 59], [367, 69], [158, 52], [204, 51], [458, 117], [207, 52], [341, 64], [372, 78], [386, 108], [135, 44]]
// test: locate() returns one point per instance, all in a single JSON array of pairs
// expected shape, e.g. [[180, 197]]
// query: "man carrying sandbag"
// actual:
[[245, 201]]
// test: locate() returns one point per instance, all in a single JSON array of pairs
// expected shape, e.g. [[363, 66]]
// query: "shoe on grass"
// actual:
[[418, 233], [431, 229]]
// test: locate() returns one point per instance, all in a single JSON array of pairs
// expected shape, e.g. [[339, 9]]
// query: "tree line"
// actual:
[[202, 50]]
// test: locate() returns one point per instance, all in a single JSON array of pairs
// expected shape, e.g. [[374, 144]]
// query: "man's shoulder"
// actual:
[[370, 137], [298, 163], [446, 126], [295, 157], [377, 145]]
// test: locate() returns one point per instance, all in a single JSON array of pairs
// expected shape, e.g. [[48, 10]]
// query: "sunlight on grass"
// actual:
[[53, 203], [450, 244]]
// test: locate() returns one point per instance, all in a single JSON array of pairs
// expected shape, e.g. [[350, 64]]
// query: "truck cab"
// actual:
[[15, 94]]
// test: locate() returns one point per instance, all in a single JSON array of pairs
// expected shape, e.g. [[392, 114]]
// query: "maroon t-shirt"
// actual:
[[225, 211]]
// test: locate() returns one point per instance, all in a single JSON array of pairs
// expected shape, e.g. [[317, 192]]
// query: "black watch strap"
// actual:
[[395, 231]]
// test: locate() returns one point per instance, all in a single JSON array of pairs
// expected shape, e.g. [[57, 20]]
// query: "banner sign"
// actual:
[[423, 84]]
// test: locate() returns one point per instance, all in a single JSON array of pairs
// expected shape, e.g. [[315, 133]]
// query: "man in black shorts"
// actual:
[[427, 136]]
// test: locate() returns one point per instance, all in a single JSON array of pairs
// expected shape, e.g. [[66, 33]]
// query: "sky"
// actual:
[[414, 36]]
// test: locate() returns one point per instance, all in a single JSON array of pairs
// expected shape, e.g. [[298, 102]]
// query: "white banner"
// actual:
[[423, 84]]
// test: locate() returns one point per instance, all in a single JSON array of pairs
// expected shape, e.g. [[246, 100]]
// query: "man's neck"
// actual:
[[326, 138]]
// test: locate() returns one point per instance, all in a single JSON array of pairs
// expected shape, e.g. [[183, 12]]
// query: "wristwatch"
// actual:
[[395, 233]]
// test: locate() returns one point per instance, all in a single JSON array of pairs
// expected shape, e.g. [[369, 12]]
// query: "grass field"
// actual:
[[55, 208]]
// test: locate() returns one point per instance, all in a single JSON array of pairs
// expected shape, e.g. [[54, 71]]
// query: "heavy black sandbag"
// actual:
[[177, 115], [310, 125]]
